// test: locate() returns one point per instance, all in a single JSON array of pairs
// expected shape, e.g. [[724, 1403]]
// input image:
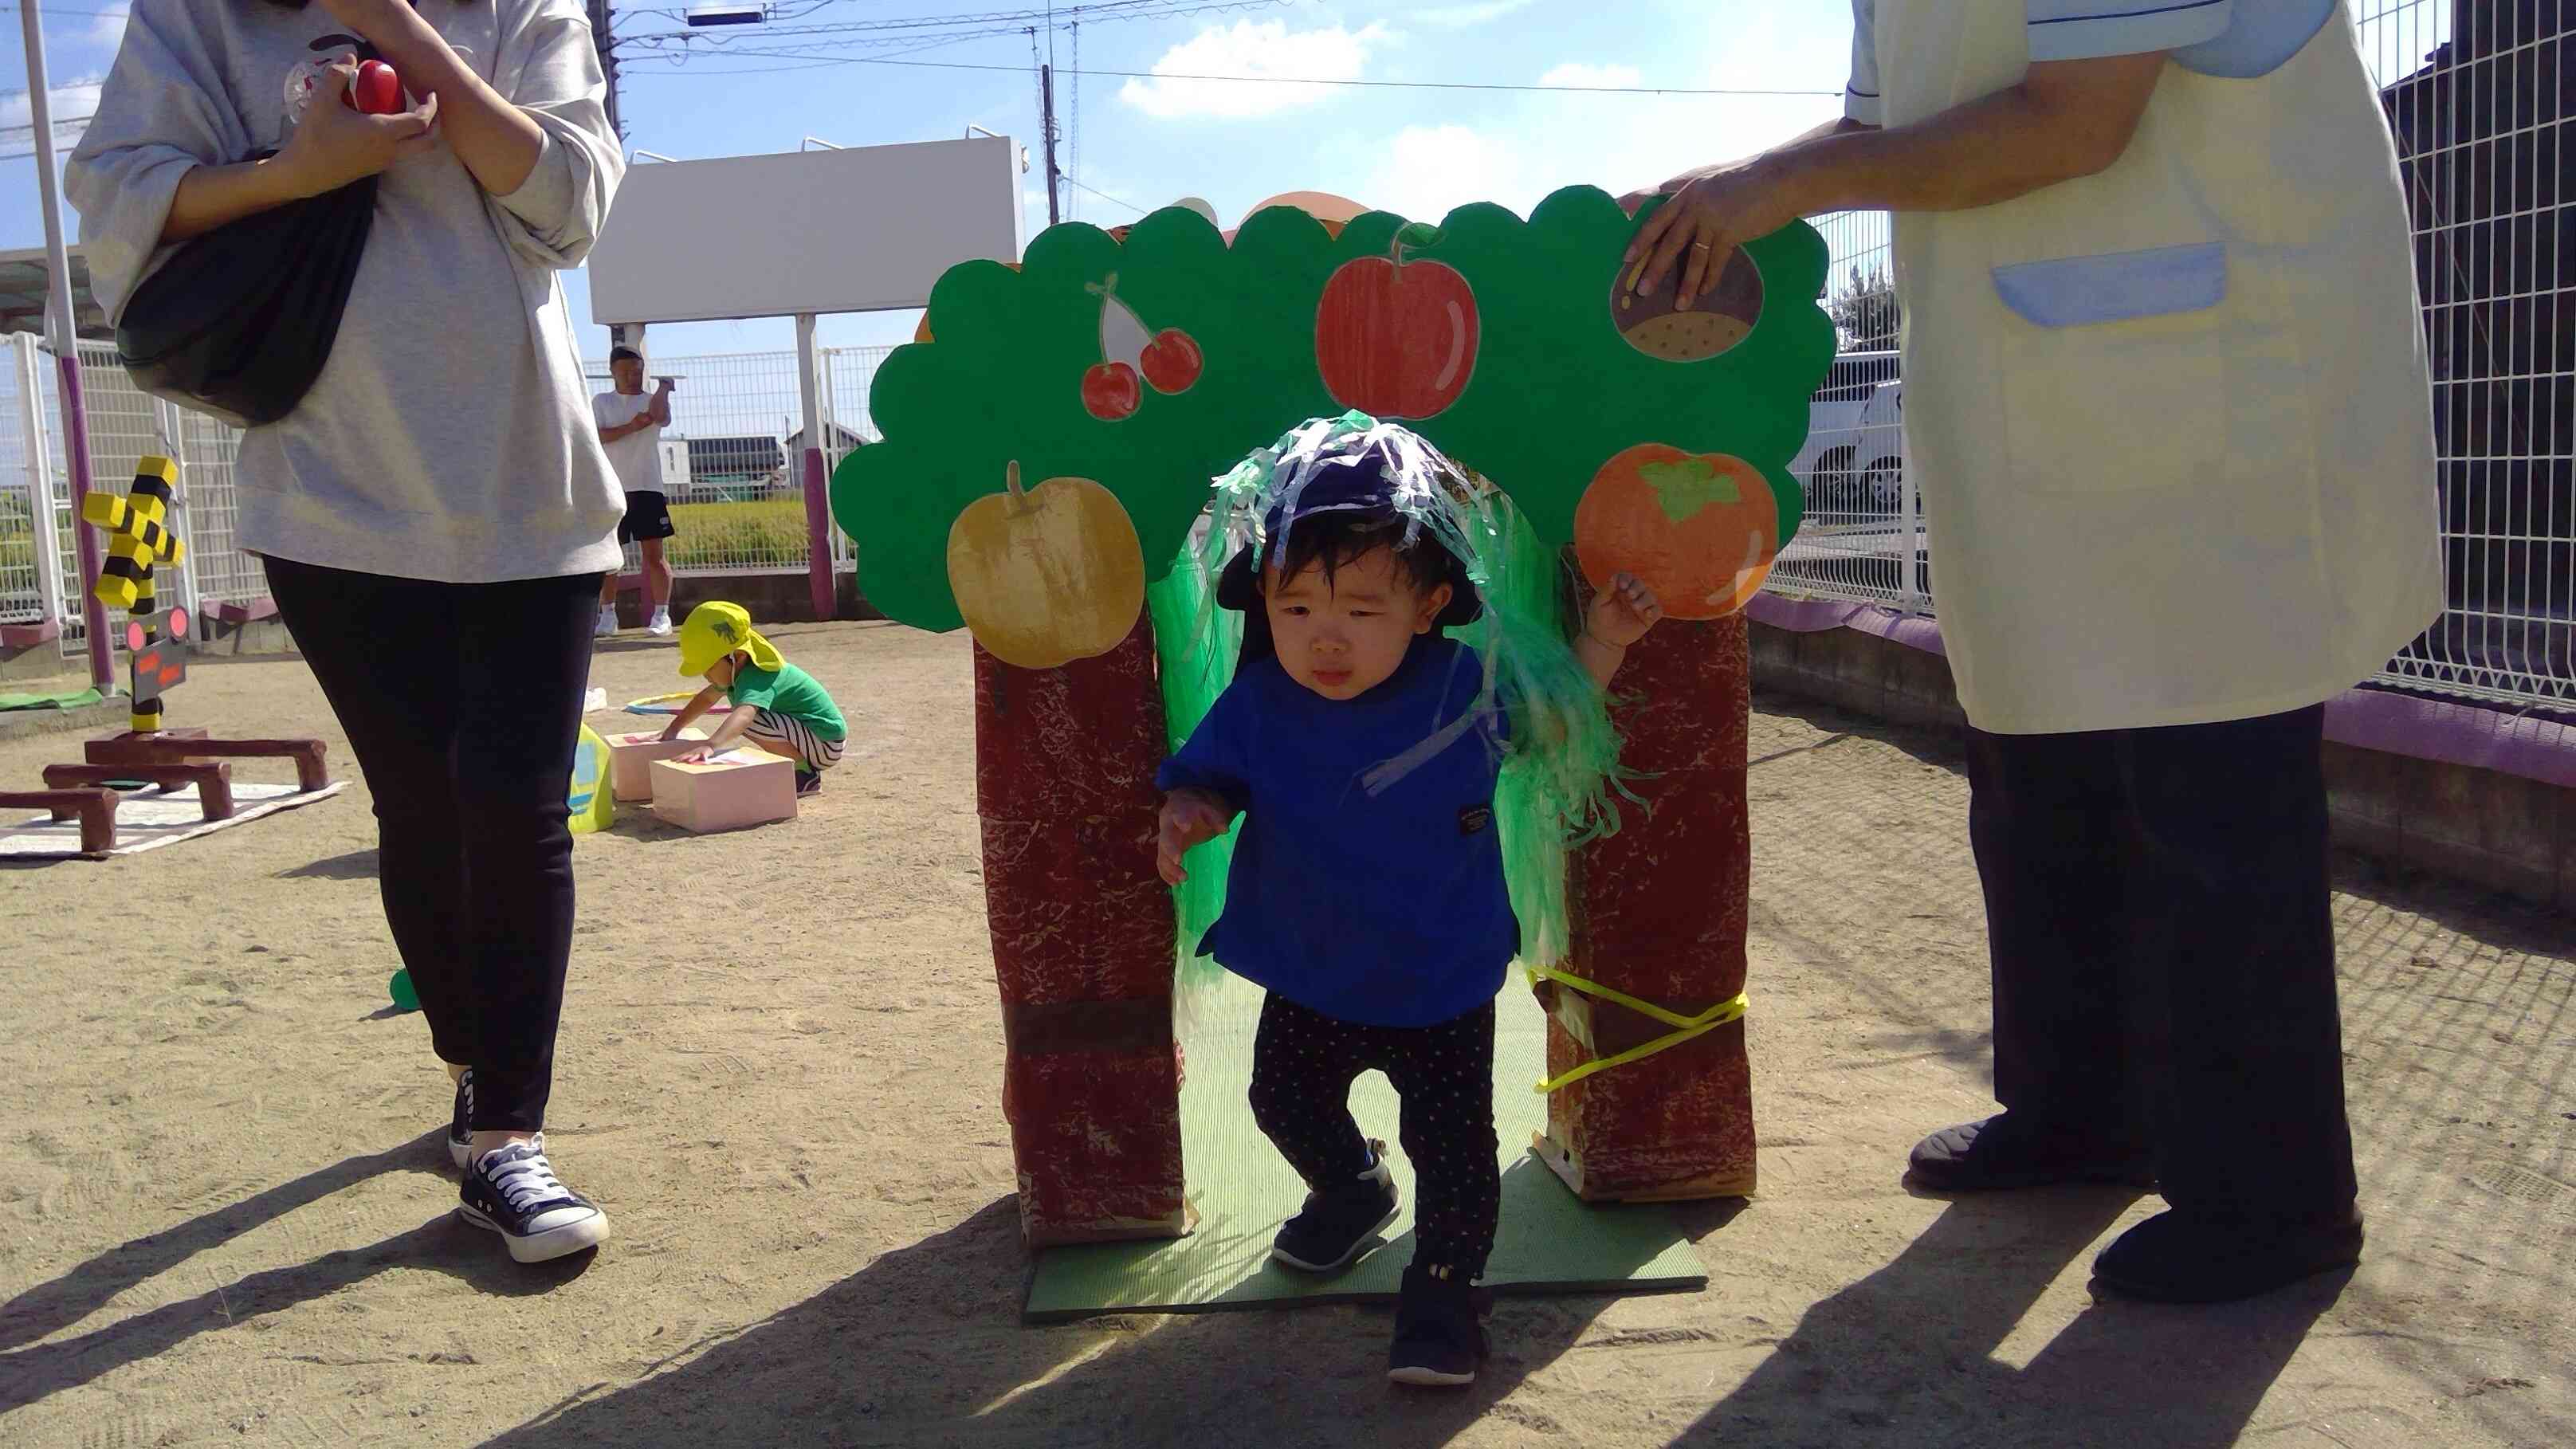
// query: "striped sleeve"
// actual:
[[2091, 29], [1860, 95]]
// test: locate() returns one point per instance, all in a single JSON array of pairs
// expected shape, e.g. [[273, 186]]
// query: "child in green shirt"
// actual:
[[776, 705]]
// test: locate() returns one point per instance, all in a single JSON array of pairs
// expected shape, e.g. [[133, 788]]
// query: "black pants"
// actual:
[[2164, 953], [1303, 1064], [463, 705]]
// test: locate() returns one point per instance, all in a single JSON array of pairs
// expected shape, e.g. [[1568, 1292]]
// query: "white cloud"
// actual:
[[108, 26], [1268, 48], [1578, 76], [1463, 17], [69, 104], [1534, 144]]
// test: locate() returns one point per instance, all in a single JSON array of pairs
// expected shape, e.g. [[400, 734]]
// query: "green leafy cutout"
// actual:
[[1555, 390]]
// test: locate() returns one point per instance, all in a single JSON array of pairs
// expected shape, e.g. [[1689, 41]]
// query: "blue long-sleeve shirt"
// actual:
[[1386, 909]]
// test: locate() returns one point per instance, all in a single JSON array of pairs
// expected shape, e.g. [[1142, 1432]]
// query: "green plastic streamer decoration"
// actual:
[[1196, 643], [1561, 777]]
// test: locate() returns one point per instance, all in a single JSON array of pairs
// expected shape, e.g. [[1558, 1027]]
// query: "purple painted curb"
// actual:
[[2444, 731]]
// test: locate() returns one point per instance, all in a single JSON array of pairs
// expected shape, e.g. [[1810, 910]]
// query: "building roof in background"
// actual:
[[24, 289]]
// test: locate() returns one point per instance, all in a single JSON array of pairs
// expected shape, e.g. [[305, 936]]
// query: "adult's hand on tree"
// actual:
[[1711, 213]]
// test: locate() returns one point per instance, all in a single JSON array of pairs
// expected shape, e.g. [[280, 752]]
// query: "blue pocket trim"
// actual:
[[2260, 40], [2116, 286]]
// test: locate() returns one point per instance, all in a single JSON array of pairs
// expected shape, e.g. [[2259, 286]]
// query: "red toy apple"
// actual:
[[377, 91], [1111, 391], [1396, 339], [1172, 362]]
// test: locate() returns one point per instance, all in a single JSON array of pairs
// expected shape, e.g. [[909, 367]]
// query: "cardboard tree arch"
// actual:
[[1047, 454]]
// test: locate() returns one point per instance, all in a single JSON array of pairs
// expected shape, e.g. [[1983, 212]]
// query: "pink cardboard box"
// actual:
[[631, 757], [737, 788]]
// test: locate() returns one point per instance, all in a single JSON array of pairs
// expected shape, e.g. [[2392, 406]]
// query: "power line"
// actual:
[[1073, 180]]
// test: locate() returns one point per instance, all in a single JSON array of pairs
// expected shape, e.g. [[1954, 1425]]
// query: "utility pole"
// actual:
[[1046, 103], [63, 329], [599, 23]]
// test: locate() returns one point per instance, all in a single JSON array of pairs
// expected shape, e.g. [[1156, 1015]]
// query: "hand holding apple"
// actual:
[[377, 91], [334, 144]]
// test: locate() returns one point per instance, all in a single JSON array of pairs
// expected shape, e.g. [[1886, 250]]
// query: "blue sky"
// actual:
[[1150, 142]]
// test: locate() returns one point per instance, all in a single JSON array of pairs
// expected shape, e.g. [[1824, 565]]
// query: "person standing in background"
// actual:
[[630, 427], [2168, 403]]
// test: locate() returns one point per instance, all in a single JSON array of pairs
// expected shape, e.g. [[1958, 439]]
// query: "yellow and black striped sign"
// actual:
[[140, 534]]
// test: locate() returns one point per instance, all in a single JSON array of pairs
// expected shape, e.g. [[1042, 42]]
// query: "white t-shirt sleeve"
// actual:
[[599, 403], [2092, 29], [1860, 95]]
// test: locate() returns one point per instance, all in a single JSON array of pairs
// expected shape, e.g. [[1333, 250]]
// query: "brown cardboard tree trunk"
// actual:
[[1083, 934], [1659, 913]]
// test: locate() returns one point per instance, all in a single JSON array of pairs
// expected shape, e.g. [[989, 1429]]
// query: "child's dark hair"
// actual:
[[1341, 536]]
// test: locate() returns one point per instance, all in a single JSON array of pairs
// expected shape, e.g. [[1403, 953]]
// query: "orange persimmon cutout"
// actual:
[[1049, 575], [1700, 529]]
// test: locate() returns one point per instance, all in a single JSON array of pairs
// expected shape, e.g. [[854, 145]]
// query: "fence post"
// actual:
[[1911, 585], [40, 479], [818, 506]]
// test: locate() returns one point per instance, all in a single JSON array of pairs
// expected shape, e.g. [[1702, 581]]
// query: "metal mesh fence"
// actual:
[[2478, 97], [730, 456]]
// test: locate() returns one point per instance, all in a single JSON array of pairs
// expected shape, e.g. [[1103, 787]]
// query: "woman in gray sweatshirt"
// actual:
[[436, 514]]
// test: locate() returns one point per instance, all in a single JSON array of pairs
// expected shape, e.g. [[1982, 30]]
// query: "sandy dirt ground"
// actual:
[[224, 1203]]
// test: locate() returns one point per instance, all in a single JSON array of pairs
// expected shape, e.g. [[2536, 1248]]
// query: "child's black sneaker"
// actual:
[[1339, 1224], [1438, 1340], [513, 1191], [809, 782], [460, 1130]]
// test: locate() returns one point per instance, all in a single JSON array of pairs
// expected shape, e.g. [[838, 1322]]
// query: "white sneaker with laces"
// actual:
[[607, 622], [513, 1191], [661, 622]]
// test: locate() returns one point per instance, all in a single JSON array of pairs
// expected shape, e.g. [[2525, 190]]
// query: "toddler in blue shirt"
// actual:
[[1362, 750]]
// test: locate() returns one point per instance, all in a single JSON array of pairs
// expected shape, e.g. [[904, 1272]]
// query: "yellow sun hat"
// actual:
[[715, 629]]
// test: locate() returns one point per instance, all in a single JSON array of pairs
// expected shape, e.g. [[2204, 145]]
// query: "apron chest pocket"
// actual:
[[2116, 382]]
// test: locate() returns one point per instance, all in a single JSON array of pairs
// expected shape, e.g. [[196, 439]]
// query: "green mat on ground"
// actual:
[[1551, 1241], [68, 699]]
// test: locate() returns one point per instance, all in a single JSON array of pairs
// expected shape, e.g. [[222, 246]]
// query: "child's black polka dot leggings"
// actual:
[[1303, 1063]]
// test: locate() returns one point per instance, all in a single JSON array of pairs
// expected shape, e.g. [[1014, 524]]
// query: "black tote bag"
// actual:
[[240, 321]]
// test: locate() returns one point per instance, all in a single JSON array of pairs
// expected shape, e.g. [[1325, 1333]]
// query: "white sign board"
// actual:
[[866, 229]]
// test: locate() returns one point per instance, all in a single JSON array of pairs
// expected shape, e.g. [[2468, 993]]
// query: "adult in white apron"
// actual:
[[2167, 404]]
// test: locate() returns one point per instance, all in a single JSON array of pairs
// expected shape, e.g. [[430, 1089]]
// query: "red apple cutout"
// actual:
[[1110, 391], [377, 91], [1172, 362], [1396, 338]]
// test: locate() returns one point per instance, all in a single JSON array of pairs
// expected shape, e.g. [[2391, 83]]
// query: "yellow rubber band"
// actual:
[[1688, 1026]]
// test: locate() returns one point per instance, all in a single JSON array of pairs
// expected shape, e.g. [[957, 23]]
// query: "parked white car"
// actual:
[[1853, 466]]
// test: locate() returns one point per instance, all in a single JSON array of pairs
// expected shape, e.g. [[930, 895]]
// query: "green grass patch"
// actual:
[[771, 531]]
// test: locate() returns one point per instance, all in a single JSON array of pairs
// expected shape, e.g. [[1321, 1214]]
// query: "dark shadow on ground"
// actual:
[[28, 1374], [355, 865], [1907, 1356], [924, 1347]]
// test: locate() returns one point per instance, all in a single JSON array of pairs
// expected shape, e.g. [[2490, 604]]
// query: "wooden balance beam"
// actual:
[[190, 746], [214, 781], [95, 807]]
